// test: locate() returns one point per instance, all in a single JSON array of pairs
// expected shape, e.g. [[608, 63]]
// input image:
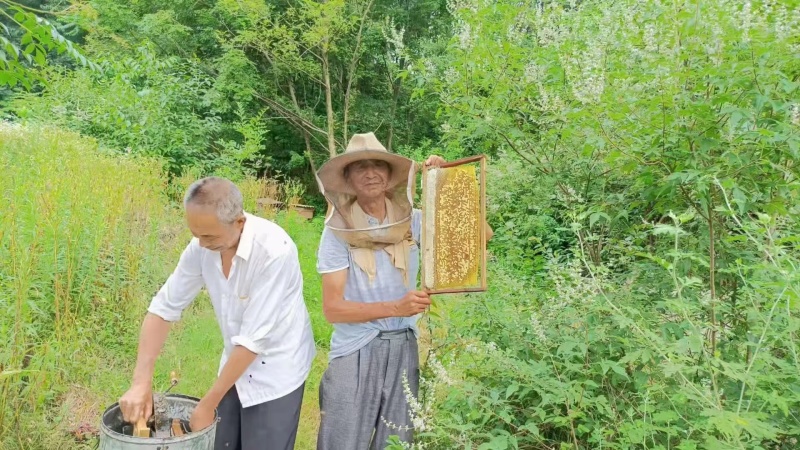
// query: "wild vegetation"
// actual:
[[643, 188]]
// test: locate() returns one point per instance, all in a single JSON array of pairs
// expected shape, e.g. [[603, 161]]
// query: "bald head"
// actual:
[[218, 195]]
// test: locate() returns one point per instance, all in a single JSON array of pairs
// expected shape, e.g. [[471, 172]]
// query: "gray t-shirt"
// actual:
[[388, 285]]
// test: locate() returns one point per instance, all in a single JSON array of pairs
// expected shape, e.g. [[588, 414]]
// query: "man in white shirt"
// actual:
[[250, 268]]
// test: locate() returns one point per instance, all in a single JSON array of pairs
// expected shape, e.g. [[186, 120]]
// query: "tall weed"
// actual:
[[80, 248]]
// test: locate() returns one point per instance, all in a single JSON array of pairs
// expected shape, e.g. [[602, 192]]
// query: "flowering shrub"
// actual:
[[645, 292]]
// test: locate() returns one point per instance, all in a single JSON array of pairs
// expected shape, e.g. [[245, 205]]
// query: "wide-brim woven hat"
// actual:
[[361, 146], [334, 186]]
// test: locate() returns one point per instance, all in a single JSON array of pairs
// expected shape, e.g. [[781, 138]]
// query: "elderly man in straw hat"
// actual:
[[369, 261]]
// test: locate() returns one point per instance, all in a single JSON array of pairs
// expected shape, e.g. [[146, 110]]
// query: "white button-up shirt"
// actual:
[[259, 306]]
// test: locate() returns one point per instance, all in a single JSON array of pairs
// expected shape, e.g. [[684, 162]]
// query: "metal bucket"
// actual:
[[178, 407]]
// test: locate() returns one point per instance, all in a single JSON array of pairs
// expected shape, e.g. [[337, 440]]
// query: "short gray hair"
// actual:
[[219, 194]]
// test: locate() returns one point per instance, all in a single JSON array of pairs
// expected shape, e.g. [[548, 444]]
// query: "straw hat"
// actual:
[[334, 186], [362, 146]]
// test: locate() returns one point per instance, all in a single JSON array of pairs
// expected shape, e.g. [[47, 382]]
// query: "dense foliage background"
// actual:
[[644, 288]]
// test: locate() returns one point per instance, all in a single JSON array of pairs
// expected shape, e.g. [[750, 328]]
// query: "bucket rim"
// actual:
[[172, 439]]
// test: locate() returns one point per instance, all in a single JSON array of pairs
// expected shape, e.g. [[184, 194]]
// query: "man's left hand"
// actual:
[[434, 161], [202, 416]]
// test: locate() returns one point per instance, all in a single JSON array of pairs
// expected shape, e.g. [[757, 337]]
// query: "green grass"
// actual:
[[86, 239], [80, 247]]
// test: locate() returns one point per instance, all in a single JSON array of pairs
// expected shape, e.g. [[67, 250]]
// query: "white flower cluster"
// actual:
[[548, 32], [795, 115], [537, 328], [466, 39], [472, 348], [533, 72], [586, 73], [570, 196], [438, 370], [650, 39], [420, 413], [9, 126], [455, 7], [451, 76], [417, 412], [395, 38], [794, 24], [548, 101], [427, 68], [518, 29], [783, 23], [714, 47], [771, 14], [744, 17], [571, 286]]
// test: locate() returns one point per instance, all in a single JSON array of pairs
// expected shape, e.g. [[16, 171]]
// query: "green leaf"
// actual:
[[666, 416], [630, 357], [40, 57], [531, 427], [672, 230], [499, 442], [512, 388], [16, 372], [11, 48], [614, 366], [5, 77], [594, 217], [740, 199]]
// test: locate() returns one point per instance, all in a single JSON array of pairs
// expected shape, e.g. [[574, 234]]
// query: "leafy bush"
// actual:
[[587, 358], [143, 105], [652, 146]]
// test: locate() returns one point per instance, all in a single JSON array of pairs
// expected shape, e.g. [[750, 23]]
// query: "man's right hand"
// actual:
[[413, 303], [137, 403]]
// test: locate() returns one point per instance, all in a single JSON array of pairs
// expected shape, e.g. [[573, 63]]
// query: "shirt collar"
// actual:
[[375, 222], [246, 239]]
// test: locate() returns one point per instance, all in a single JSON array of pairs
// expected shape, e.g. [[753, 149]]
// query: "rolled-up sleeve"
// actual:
[[274, 286], [181, 287]]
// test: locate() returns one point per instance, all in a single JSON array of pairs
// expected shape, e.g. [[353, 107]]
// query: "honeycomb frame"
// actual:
[[447, 265]]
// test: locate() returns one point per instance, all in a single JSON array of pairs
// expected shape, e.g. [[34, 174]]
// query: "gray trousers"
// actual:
[[360, 393], [267, 426]]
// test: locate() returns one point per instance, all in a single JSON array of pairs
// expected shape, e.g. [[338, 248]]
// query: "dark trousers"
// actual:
[[267, 426]]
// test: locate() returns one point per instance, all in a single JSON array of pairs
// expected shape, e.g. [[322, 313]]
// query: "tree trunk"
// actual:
[[306, 135], [393, 113], [328, 101], [351, 73]]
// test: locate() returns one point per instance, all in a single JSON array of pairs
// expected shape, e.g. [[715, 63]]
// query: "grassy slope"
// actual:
[[82, 252]]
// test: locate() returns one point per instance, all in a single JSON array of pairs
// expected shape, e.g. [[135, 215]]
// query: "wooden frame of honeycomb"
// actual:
[[454, 227]]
